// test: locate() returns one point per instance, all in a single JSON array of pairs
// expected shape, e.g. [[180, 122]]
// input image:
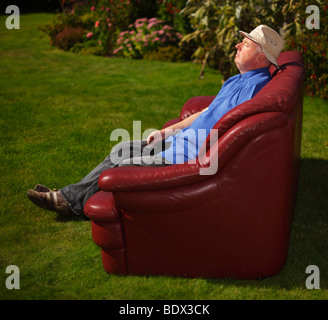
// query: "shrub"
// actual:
[[77, 6], [116, 24], [312, 43], [68, 37], [94, 50], [314, 48], [169, 53], [215, 26], [169, 11], [101, 21], [145, 35], [58, 24]]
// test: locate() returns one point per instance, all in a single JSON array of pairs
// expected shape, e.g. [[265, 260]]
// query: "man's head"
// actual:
[[258, 49]]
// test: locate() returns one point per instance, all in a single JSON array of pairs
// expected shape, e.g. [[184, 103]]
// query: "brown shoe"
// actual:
[[52, 201]]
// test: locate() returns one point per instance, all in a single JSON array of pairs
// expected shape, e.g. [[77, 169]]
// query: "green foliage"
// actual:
[[169, 11], [168, 53], [312, 43]]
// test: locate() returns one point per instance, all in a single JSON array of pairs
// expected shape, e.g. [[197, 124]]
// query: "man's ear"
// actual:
[[261, 57]]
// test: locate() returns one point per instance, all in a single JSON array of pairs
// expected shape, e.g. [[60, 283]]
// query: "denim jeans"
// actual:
[[129, 153]]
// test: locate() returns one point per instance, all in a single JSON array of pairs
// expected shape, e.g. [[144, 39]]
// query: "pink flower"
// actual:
[[166, 27], [141, 20], [107, 9], [109, 25], [92, 8], [99, 42], [155, 39], [123, 33], [117, 50], [151, 24], [89, 35], [138, 25], [97, 24]]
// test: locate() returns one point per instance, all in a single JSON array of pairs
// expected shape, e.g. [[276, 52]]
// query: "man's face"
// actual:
[[247, 55]]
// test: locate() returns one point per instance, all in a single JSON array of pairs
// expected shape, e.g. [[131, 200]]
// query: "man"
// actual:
[[254, 55]]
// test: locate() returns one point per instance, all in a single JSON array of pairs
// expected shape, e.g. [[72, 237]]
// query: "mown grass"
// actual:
[[57, 114]]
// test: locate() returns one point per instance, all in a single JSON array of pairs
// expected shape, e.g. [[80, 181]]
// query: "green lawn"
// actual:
[[57, 113]]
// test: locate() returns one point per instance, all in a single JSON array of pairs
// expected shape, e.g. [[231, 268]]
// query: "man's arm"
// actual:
[[163, 134]]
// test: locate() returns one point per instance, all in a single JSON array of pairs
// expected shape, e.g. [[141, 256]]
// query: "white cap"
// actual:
[[270, 41]]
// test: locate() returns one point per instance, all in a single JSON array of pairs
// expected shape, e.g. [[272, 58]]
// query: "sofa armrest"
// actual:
[[135, 178], [194, 105], [102, 207], [171, 122], [247, 129]]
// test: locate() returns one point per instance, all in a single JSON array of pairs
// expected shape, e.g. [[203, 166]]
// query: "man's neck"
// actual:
[[243, 72], [258, 66]]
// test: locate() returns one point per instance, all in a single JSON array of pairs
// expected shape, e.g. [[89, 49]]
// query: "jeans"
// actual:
[[129, 153]]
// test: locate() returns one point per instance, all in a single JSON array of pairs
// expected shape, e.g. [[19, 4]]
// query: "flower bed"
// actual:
[[113, 27], [146, 35]]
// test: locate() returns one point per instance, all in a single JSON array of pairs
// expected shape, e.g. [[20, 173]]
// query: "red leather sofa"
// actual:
[[233, 223]]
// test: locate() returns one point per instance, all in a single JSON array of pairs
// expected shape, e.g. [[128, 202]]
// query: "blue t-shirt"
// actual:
[[186, 144]]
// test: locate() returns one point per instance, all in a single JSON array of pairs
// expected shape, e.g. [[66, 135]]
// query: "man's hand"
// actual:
[[156, 136], [160, 135]]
